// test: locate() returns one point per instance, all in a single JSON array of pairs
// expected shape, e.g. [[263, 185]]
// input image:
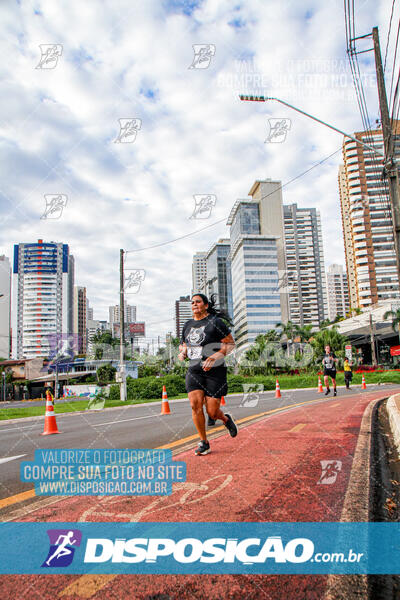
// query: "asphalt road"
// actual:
[[134, 426], [273, 471]]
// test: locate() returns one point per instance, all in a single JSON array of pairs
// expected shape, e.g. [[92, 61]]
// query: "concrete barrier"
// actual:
[[393, 408]]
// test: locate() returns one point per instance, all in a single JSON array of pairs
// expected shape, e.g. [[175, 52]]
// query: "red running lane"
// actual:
[[270, 472]]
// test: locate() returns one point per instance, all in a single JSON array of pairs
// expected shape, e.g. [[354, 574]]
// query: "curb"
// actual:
[[355, 508], [393, 410]]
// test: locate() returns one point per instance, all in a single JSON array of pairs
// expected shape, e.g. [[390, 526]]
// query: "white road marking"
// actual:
[[8, 458]]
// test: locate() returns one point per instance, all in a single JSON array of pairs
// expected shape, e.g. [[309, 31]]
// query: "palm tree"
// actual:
[[271, 336], [395, 314], [287, 330], [304, 332]]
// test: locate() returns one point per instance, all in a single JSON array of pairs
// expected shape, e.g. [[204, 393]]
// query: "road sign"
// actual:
[[348, 352]]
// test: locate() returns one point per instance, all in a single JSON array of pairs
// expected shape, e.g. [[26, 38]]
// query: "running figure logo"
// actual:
[[330, 470], [128, 129], [50, 54], [203, 205], [278, 129], [55, 204], [61, 551], [134, 280], [203, 54]]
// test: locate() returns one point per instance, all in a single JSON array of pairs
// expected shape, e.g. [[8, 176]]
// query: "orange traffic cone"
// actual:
[[223, 401], [278, 390], [320, 388], [363, 384], [165, 409], [50, 423]]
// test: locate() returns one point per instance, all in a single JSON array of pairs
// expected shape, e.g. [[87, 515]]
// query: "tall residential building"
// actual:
[[218, 270], [199, 273], [305, 278], [43, 279], [367, 220], [80, 317], [129, 314], [183, 312], [338, 292], [257, 255], [89, 311], [5, 306]]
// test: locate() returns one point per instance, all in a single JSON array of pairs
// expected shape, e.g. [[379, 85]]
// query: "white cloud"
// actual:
[[130, 60]]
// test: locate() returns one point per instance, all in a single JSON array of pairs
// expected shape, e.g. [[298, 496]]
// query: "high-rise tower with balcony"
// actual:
[[367, 220], [43, 282]]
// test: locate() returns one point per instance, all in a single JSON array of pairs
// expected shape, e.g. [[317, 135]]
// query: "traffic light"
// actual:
[[252, 98]]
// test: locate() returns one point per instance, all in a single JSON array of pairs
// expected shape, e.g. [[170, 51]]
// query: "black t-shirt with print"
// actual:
[[203, 338], [329, 362]]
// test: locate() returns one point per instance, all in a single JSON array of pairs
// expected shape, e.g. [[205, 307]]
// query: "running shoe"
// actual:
[[202, 448], [328, 391], [211, 422], [334, 393], [230, 425]]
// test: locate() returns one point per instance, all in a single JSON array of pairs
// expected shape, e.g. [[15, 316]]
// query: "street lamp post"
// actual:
[[392, 173], [266, 98]]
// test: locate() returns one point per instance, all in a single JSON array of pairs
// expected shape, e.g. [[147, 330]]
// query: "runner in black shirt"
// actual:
[[206, 340], [329, 363]]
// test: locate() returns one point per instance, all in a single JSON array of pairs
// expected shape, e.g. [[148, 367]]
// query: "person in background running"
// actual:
[[206, 340], [329, 363], [348, 375]]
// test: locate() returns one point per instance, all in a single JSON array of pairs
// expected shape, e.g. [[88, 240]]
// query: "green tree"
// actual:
[[327, 337], [325, 323], [106, 373], [304, 332], [395, 316], [288, 331]]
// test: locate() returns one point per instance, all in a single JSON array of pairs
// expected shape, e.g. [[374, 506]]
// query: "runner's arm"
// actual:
[[227, 345], [182, 351]]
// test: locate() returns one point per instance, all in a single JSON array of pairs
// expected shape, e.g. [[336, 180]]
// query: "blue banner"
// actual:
[[189, 548], [103, 472]]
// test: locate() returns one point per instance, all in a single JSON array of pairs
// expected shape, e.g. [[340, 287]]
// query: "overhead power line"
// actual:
[[225, 218]]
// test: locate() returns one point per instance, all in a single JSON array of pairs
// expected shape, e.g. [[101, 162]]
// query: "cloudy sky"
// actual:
[[119, 61]]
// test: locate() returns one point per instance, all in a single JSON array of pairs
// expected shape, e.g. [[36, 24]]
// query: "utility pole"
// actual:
[[122, 379], [389, 164], [371, 329]]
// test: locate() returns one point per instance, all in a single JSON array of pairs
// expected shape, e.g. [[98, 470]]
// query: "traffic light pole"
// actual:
[[302, 112], [122, 382], [389, 163]]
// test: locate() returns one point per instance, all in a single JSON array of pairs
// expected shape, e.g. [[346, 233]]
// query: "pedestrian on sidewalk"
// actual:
[[329, 363], [348, 374], [206, 340]]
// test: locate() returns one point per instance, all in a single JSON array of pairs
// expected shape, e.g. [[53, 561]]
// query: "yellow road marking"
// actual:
[[333, 405], [87, 585], [31, 493], [17, 498], [297, 427]]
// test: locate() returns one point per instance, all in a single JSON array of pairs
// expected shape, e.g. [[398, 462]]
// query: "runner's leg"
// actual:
[[196, 398], [326, 381], [213, 409]]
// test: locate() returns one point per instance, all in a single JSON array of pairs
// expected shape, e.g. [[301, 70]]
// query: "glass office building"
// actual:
[[254, 266]]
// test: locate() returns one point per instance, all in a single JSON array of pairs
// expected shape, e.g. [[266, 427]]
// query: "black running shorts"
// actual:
[[212, 382], [330, 373]]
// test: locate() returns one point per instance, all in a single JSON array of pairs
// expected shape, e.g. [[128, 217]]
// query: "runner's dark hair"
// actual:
[[213, 309]]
